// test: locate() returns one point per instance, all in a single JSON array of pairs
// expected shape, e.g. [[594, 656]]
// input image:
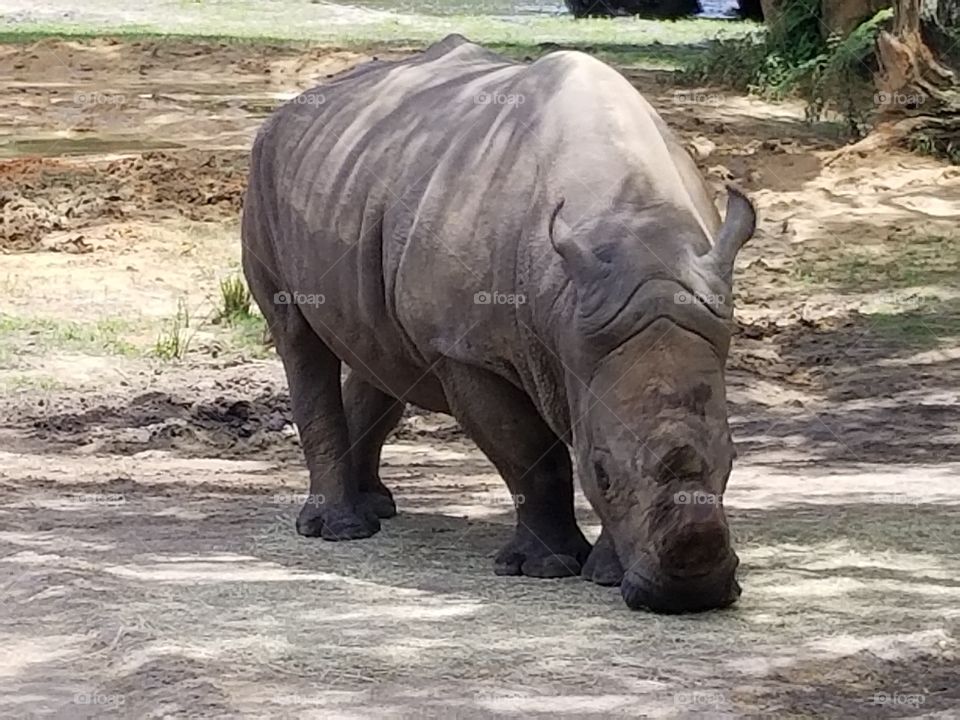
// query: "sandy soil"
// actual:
[[148, 563]]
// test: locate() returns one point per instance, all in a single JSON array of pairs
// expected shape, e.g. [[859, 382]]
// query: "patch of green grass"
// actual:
[[25, 381], [934, 322], [906, 262], [104, 336], [245, 329], [881, 275], [627, 41], [652, 56], [235, 301], [173, 342], [250, 333]]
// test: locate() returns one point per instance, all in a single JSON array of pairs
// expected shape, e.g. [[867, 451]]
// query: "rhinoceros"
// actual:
[[527, 248]]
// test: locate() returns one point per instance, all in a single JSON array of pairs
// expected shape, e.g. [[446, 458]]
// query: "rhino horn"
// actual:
[[738, 227]]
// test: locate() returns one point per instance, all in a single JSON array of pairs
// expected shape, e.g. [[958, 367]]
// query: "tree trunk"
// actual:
[[917, 82], [839, 17], [771, 9]]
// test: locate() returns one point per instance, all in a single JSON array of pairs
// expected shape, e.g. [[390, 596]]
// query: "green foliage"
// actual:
[[768, 63], [295, 23], [251, 334], [793, 58], [106, 335], [735, 63], [235, 301], [942, 146], [891, 264], [841, 76], [795, 38], [174, 340]]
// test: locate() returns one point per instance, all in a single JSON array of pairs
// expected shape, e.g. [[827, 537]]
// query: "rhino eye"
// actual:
[[603, 480], [682, 464]]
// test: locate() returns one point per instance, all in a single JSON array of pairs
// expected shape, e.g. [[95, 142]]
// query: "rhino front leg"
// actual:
[[533, 461], [603, 566], [334, 509], [371, 415]]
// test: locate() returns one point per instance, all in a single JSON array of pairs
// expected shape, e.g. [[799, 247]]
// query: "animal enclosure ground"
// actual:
[[148, 563]]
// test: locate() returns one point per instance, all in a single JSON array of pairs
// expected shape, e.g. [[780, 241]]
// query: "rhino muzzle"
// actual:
[[665, 593], [692, 567]]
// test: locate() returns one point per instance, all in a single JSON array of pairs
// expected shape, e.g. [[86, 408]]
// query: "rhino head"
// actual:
[[646, 356]]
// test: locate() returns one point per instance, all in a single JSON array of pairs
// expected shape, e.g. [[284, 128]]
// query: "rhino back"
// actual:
[[389, 188], [401, 191]]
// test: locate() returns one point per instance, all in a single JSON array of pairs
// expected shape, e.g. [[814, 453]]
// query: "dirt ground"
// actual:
[[148, 562]]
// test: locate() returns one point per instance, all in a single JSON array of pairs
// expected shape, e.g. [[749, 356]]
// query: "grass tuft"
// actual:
[[173, 342], [235, 301]]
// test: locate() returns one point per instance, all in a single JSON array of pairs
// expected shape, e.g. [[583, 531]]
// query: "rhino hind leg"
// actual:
[[371, 416], [603, 566], [535, 464], [334, 509]]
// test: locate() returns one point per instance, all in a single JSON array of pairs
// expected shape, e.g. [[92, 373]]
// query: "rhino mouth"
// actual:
[[667, 593]]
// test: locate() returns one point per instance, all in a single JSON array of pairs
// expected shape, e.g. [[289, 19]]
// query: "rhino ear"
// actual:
[[581, 264], [738, 227]]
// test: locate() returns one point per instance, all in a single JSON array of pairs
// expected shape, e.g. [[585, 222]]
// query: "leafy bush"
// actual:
[[793, 58], [841, 77]]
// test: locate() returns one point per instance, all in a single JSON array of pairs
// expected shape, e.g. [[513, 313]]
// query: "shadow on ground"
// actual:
[[183, 596]]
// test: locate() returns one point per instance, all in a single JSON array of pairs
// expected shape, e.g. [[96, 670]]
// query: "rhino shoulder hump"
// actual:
[[573, 62], [458, 47]]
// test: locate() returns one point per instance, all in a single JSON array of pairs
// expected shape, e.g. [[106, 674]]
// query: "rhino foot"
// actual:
[[338, 521], [542, 557], [603, 566], [380, 502]]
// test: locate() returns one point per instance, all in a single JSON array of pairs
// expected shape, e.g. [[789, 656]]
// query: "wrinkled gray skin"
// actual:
[[399, 192]]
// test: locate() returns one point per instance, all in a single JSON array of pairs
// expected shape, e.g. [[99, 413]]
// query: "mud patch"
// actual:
[[161, 421], [235, 426], [58, 195]]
